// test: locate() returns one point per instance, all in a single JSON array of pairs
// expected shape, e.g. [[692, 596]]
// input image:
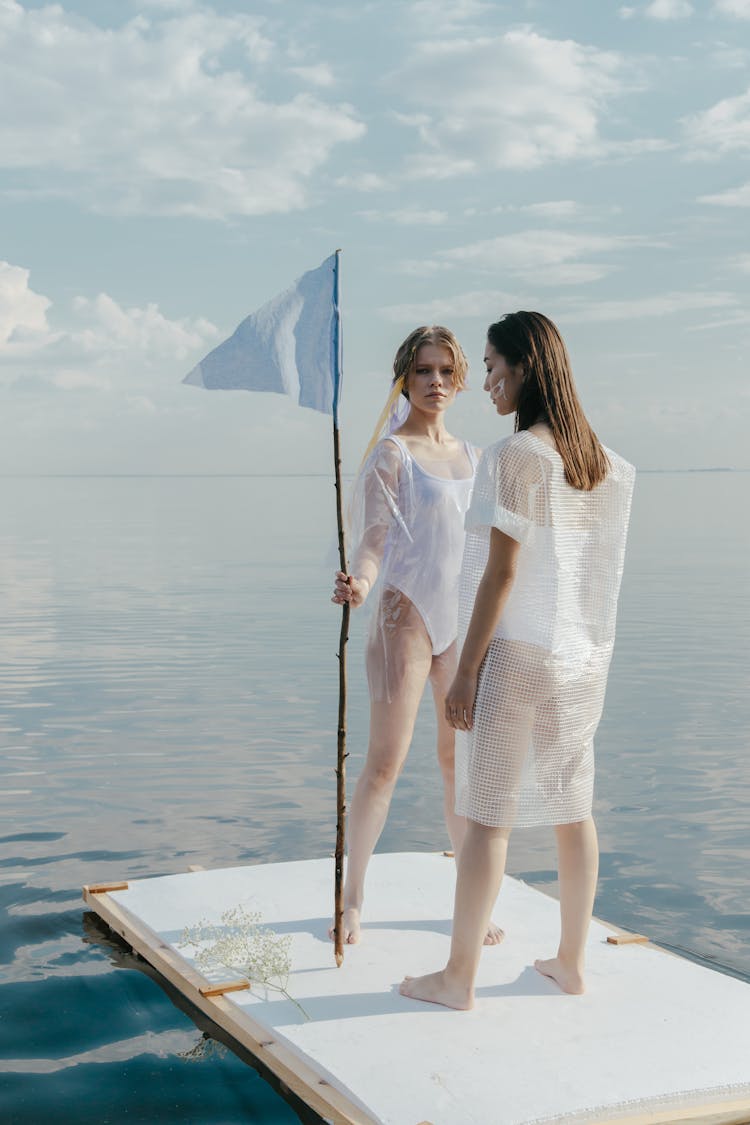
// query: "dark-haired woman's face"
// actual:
[[502, 382]]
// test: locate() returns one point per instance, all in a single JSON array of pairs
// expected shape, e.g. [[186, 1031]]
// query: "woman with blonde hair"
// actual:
[[409, 505], [540, 578]]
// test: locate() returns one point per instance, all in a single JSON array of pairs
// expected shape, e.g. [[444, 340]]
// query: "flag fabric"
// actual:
[[289, 346]]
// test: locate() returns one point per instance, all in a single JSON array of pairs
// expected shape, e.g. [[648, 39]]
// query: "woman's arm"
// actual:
[[378, 500], [489, 603]]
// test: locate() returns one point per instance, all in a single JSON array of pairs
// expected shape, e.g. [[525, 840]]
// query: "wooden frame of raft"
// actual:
[[299, 1077]]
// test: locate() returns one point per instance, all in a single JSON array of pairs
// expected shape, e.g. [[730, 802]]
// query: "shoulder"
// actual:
[[387, 458], [517, 454], [619, 468], [389, 449]]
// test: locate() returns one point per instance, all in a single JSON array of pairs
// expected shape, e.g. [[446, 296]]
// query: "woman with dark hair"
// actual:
[[408, 510], [540, 578]]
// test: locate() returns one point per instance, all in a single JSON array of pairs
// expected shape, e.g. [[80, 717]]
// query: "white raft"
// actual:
[[655, 1039]]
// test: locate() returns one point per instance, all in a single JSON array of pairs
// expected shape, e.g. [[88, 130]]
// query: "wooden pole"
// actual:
[[341, 755]]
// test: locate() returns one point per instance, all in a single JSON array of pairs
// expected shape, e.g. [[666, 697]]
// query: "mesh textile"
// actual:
[[407, 520], [529, 758]]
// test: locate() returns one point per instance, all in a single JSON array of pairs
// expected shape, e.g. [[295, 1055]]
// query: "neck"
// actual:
[[419, 423]]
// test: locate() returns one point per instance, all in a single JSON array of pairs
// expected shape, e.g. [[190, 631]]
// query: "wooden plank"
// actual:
[[224, 986], [627, 939], [299, 1076], [103, 888]]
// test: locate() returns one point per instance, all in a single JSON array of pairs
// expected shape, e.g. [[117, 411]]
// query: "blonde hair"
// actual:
[[404, 365]]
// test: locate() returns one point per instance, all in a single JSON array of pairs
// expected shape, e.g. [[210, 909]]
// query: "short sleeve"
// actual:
[[508, 478]]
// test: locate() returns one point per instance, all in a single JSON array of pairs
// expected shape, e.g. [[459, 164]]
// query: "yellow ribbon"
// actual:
[[396, 390]]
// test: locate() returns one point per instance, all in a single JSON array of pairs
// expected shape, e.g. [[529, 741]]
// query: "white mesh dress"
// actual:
[[529, 758], [408, 521]]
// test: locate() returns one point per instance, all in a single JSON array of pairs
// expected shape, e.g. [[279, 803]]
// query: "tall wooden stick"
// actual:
[[341, 755]]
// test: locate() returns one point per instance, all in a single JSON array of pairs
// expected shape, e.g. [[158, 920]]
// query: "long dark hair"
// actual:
[[548, 393]]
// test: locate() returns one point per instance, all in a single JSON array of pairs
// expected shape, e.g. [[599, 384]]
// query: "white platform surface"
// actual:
[[650, 1025]]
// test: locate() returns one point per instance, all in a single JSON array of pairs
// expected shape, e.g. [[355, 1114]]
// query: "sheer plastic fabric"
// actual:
[[408, 522], [529, 758]]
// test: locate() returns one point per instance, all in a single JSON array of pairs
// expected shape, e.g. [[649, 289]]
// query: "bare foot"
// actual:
[[567, 978], [352, 926], [437, 989], [494, 934]]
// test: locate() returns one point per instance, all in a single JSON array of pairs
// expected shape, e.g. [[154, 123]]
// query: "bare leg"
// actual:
[[578, 865], [391, 729], [441, 676], [481, 866]]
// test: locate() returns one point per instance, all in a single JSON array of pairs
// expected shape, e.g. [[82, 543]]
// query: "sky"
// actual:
[[167, 166]]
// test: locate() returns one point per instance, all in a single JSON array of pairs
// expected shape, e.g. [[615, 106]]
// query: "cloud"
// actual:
[[483, 304], [668, 10], [80, 380], [162, 115], [107, 326], [408, 217], [23, 313], [553, 209], [638, 308], [733, 197], [738, 8], [725, 127], [318, 75], [441, 16], [519, 100], [363, 181], [545, 257], [100, 342]]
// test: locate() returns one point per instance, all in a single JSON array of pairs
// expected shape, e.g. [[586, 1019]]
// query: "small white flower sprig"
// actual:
[[241, 943]]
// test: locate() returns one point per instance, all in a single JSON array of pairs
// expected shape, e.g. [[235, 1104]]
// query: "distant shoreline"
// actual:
[[259, 476]]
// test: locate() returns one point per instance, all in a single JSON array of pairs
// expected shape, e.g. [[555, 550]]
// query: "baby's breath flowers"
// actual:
[[241, 943]]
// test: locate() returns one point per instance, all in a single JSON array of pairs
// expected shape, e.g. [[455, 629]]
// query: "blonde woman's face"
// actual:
[[502, 382], [430, 384]]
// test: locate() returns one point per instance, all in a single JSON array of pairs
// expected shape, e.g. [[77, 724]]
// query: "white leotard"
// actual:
[[425, 542]]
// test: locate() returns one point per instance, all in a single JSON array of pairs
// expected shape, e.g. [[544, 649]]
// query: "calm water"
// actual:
[[168, 697]]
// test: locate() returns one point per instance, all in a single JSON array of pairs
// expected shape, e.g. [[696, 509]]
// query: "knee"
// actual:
[[382, 776], [486, 832]]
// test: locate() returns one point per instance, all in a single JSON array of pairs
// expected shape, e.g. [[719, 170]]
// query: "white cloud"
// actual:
[[71, 380], [518, 100], [733, 197], [108, 326], [626, 13], [738, 8], [318, 75], [441, 16], [730, 56], [725, 127], [655, 305], [23, 313], [162, 115], [554, 209], [545, 257], [363, 181], [669, 10], [99, 344], [408, 217], [483, 304]]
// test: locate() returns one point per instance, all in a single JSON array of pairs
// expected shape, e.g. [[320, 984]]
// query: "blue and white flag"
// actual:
[[290, 345]]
